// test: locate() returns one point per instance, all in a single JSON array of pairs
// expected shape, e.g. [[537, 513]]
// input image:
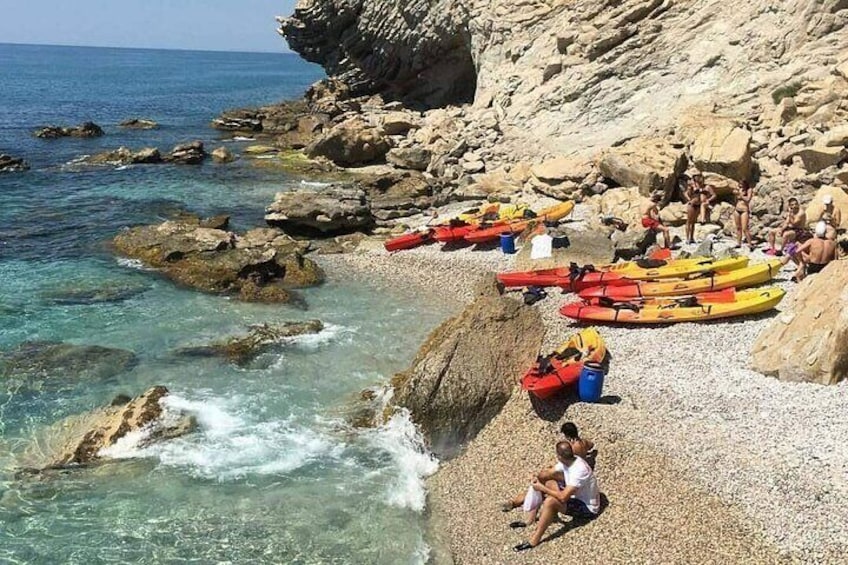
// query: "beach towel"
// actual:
[[542, 246]]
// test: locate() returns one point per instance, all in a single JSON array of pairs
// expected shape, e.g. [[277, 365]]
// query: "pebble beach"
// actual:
[[701, 459]]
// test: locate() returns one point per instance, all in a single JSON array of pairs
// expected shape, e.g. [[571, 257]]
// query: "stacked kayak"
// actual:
[[457, 230], [468, 218], [576, 279], [561, 369], [483, 234], [751, 275], [662, 310]]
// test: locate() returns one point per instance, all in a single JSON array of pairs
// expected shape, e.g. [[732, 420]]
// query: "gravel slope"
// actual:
[[702, 459]]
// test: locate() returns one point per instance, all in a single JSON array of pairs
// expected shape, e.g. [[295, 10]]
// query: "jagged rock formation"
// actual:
[[85, 129], [85, 439], [261, 265], [9, 164], [242, 349], [466, 370]]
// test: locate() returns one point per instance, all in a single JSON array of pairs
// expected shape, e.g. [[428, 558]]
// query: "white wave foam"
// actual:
[[330, 333], [412, 461], [132, 264], [314, 184], [228, 444], [243, 138]]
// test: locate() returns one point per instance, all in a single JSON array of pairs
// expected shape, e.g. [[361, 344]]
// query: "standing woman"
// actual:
[[693, 206], [742, 213]]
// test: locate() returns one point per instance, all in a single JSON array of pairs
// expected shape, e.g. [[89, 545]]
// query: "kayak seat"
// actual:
[[650, 263], [568, 353]]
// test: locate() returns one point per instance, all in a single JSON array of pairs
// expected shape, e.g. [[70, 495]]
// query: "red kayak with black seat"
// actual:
[[561, 369]]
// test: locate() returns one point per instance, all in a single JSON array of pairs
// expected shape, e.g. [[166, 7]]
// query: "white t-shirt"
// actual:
[[580, 476]]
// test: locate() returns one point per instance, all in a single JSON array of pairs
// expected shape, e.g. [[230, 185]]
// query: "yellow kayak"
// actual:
[[550, 214], [726, 303], [619, 273], [740, 278]]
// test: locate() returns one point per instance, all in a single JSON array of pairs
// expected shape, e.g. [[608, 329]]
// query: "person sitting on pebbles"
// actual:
[[814, 254], [792, 227], [651, 217], [569, 488]]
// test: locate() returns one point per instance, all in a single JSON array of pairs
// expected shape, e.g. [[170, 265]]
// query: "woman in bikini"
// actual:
[[742, 213], [707, 196]]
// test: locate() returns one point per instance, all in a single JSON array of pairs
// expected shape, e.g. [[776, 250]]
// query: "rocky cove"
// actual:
[[440, 107]]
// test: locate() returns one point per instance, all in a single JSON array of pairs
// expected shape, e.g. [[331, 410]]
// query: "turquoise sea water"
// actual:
[[273, 474]]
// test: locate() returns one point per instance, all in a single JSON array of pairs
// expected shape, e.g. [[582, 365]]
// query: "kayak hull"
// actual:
[[409, 240], [710, 306], [740, 278], [483, 235]]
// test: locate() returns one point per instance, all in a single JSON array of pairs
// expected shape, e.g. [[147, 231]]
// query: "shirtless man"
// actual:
[[831, 215], [813, 255], [792, 226], [581, 447], [651, 217]]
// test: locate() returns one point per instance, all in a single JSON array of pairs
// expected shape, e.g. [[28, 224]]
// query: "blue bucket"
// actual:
[[508, 243], [591, 384]]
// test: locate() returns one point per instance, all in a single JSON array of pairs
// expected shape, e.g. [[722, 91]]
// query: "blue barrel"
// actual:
[[591, 383], [508, 243]]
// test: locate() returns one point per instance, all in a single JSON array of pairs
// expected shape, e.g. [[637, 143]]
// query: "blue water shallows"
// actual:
[[273, 474]]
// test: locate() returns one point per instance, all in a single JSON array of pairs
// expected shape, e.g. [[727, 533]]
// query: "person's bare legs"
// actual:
[[704, 215], [772, 238], [550, 508], [531, 516], [745, 220], [691, 218], [737, 221]]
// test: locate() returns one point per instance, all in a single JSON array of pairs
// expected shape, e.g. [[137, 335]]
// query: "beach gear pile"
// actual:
[[481, 225]]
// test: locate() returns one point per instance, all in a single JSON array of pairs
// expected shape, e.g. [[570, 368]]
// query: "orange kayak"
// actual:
[[561, 369], [482, 235]]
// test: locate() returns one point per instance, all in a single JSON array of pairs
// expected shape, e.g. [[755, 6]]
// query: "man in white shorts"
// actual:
[[576, 494]]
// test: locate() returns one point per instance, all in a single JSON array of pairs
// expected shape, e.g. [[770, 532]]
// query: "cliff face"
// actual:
[[576, 74]]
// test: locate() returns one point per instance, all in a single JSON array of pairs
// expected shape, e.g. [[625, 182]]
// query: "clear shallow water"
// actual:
[[273, 474]]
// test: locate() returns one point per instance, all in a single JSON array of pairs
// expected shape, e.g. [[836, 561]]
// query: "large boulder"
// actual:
[[724, 149], [350, 143], [816, 205], [836, 137], [222, 155], [86, 439], [191, 153], [560, 177], [398, 195], [125, 156], [218, 261], [54, 365], [415, 158], [810, 343], [816, 158], [466, 370], [652, 164], [9, 164], [622, 203], [85, 129], [332, 210]]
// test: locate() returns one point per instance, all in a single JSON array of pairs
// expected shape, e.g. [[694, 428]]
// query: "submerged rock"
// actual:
[[52, 364], [139, 123], [94, 295], [86, 129], [244, 348], [223, 155], [465, 372], [249, 267], [9, 164]]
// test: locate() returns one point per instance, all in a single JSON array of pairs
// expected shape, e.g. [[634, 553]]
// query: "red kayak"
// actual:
[[456, 232], [575, 279], [547, 381], [409, 240]]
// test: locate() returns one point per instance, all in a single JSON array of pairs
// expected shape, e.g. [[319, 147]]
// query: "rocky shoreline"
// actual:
[[699, 451]]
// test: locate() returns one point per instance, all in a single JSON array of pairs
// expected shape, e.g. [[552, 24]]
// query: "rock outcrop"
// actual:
[[191, 153], [86, 129], [651, 164], [810, 343], [9, 164], [222, 155], [244, 348], [466, 370], [350, 143], [260, 266], [86, 439], [329, 211], [125, 156]]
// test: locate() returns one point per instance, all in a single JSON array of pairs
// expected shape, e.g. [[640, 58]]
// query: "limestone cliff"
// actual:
[[569, 76]]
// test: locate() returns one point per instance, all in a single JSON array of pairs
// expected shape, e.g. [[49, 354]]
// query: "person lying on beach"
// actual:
[[814, 254], [573, 490], [651, 217], [790, 229]]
